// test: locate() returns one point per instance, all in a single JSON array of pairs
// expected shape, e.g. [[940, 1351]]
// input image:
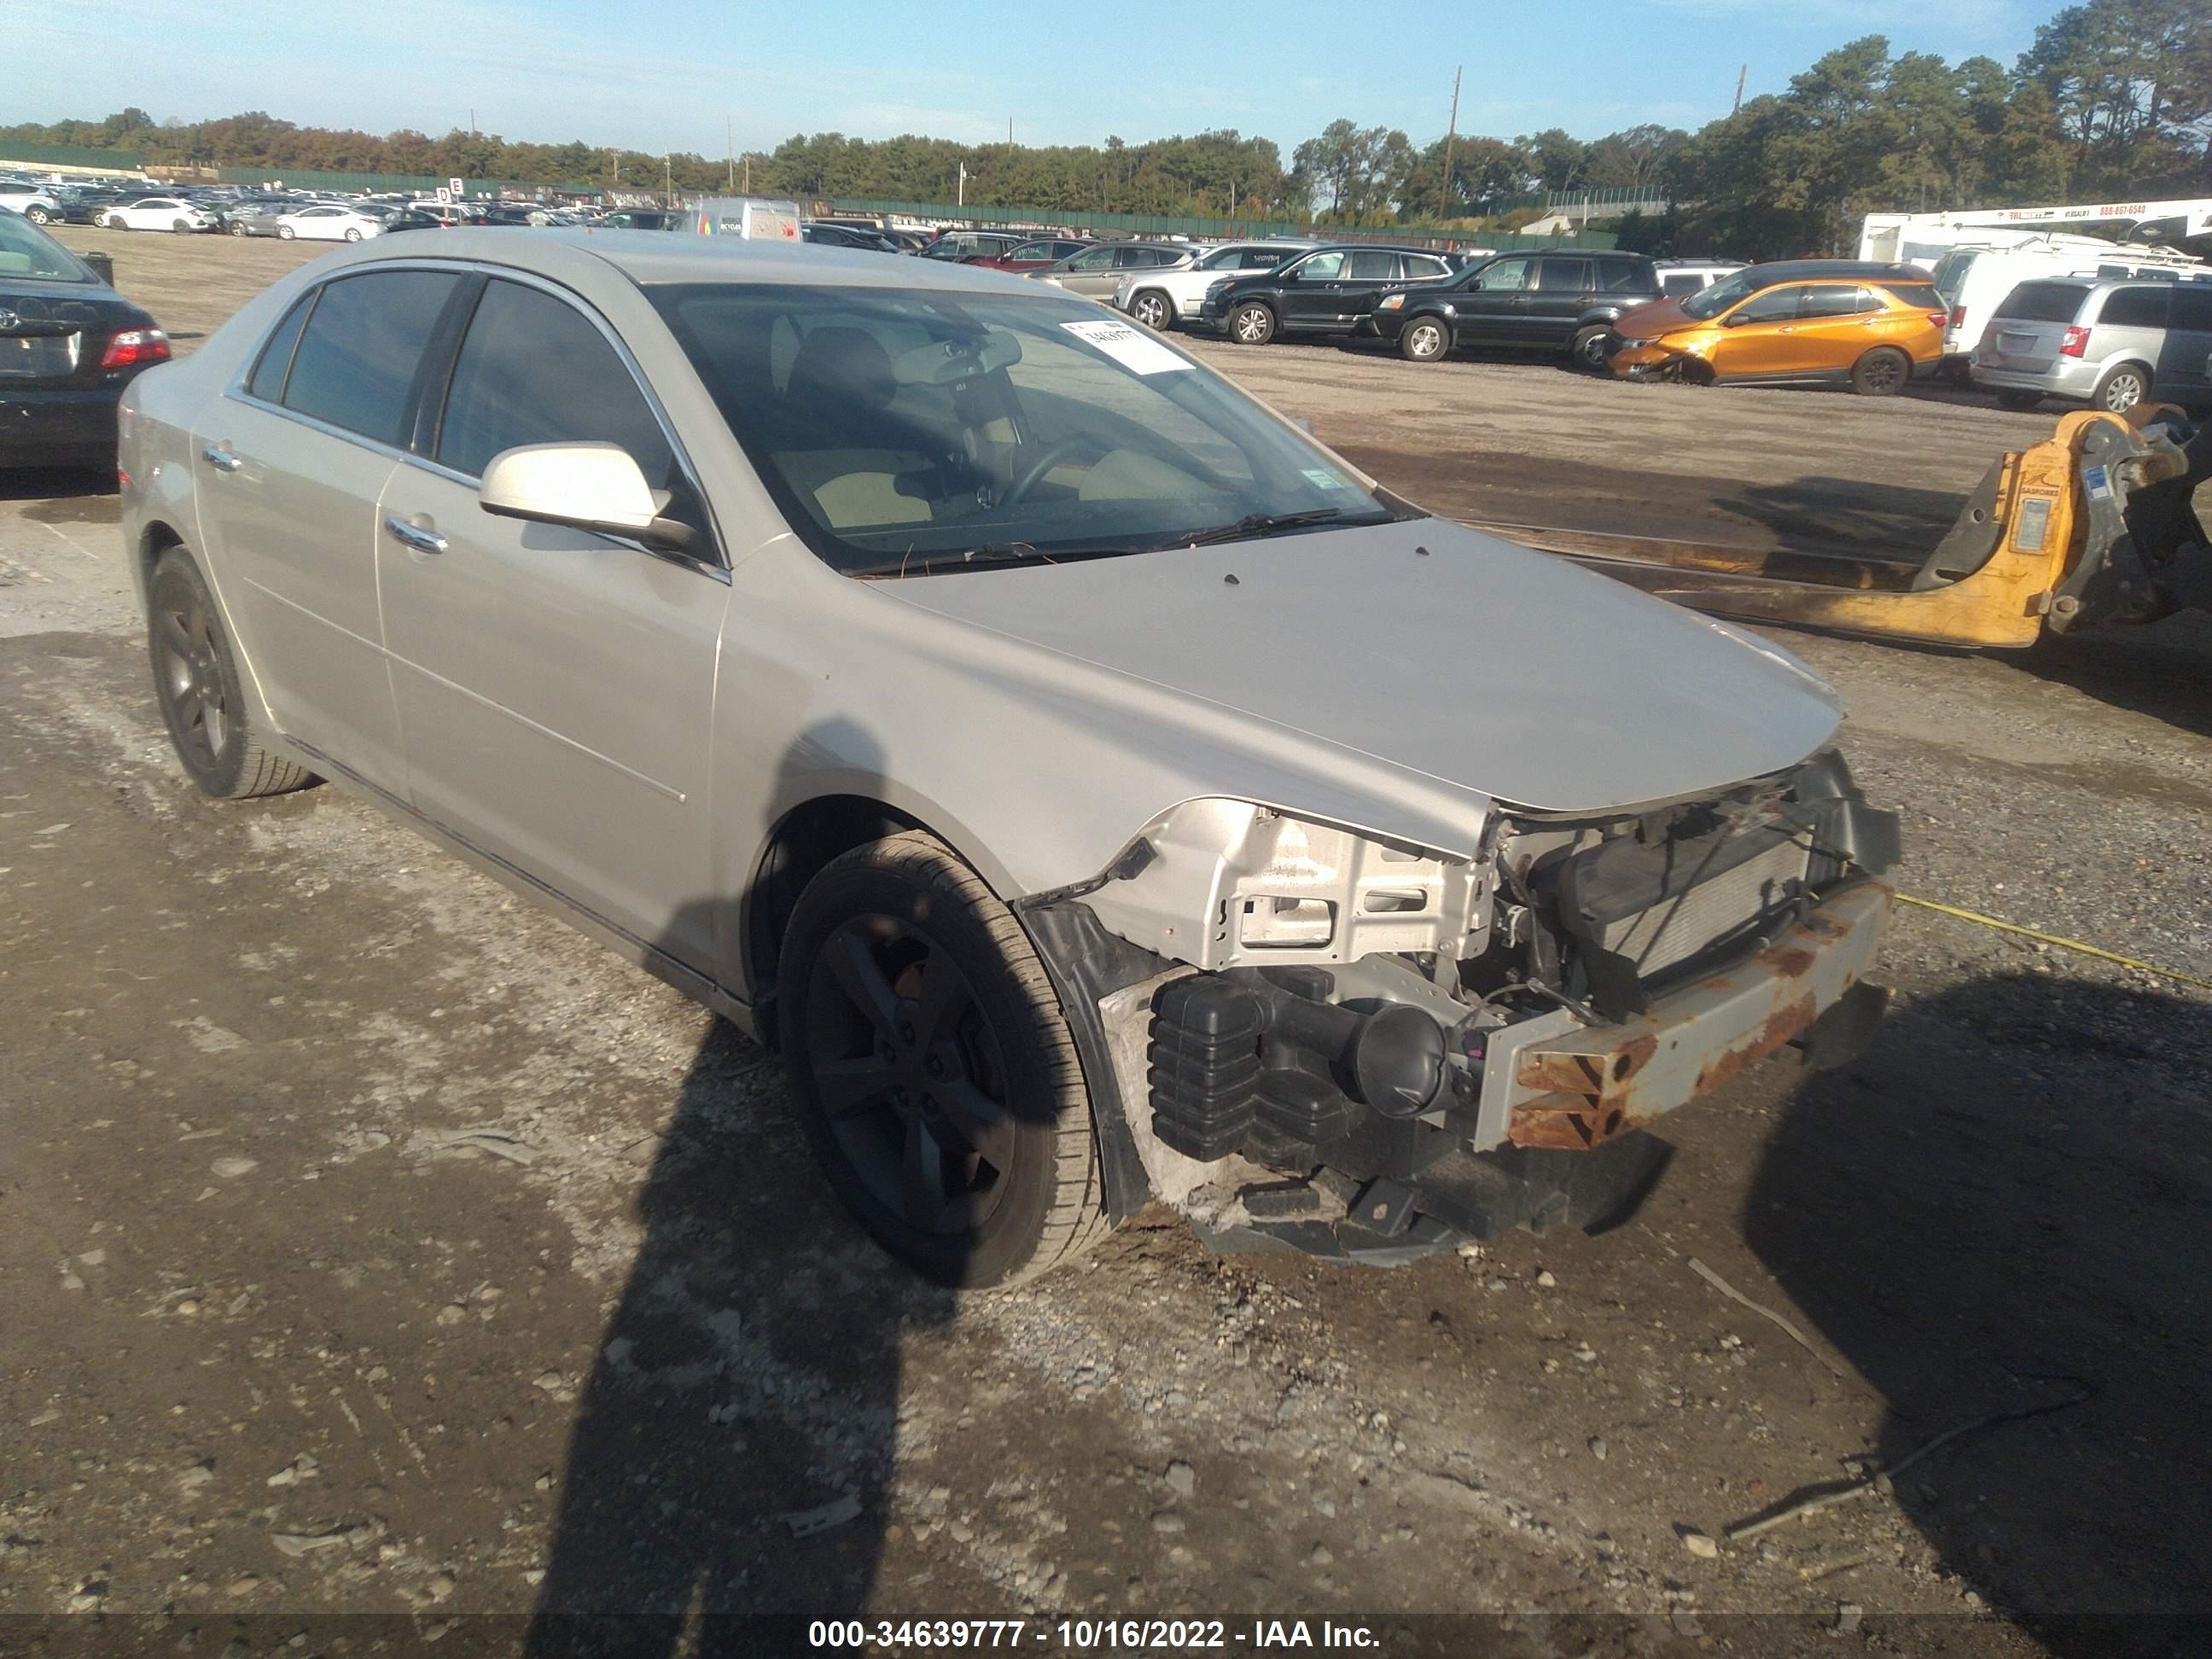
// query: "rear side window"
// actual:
[[1420, 268], [1564, 276], [1837, 299], [2134, 308], [268, 381], [2042, 302], [358, 354], [1921, 296], [534, 370], [1951, 270], [1505, 275], [2192, 307], [1370, 265], [1622, 277]]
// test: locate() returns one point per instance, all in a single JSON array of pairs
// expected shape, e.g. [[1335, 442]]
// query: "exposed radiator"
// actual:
[[1678, 928]]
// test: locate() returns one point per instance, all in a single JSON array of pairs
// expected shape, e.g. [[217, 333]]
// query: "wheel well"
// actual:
[[810, 835], [154, 541]]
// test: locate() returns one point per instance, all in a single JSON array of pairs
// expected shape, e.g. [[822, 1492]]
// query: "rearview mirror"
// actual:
[[588, 486], [943, 362]]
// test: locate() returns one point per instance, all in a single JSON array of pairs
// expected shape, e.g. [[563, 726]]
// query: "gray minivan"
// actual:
[[2113, 343]]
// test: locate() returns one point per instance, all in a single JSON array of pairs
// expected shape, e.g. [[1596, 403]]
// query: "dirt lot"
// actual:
[[369, 1243]]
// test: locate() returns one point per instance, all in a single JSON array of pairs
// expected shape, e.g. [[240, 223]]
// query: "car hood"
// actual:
[[1431, 648], [1649, 322]]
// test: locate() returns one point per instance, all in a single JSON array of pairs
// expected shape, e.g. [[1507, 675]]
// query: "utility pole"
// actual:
[[1451, 142], [668, 176], [1010, 132], [961, 200], [1742, 70], [748, 172], [730, 144], [472, 123]]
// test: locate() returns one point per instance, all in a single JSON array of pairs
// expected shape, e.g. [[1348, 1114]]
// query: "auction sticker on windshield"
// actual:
[[1135, 351]]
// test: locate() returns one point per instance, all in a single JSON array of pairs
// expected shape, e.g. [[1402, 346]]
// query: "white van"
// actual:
[[753, 217], [1973, 280]]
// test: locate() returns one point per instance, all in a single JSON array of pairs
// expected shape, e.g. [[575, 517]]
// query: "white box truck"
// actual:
[[755, 217]]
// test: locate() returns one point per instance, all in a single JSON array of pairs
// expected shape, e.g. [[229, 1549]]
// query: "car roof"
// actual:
[[652, 258], [1807, 270]]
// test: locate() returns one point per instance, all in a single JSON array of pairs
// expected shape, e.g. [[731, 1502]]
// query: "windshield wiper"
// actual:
[[992, 553], [1259, 524]]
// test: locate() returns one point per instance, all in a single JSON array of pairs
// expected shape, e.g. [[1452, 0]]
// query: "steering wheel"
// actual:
[[1066, 448]]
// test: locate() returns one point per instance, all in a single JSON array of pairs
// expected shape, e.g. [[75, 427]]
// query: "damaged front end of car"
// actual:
[[1326, 1041], [1662, 359]]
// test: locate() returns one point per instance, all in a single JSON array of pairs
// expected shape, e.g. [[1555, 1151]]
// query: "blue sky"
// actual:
[[654, 75]]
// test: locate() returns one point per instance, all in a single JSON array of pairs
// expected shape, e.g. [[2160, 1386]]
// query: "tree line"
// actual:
[[2113, 98]]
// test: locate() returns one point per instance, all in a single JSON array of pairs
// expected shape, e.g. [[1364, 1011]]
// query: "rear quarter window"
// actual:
[[2042, 302], [1921, 296]]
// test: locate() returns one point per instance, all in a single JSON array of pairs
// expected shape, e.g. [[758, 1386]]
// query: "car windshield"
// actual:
[[1711, 301], [906, 432], [26, 251]]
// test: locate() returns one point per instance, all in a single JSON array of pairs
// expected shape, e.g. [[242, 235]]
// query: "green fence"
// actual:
[[309, 179], [1147, 224], [69, 155]]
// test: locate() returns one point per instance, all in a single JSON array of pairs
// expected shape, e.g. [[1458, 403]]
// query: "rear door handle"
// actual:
[[221, 460], [413, 535]]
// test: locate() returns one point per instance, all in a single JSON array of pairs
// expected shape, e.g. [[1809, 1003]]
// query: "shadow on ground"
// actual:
[[2003, 1206]]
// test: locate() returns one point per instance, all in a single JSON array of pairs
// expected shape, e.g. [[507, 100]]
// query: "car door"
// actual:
[[1838, 323], [1309, 291], [1488, 310], [1761, 335], [288, 468], [1092, 273], [2183, 371], [555, 687], [1555, 306], [1367, 272]]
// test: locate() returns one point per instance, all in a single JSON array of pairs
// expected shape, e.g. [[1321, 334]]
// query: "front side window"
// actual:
[[1323, 267], [1227, 258], [903, 432], [532, 369], [1096, 259], [1777, 305], [1729, 291], [1503, 275], [357, 358]]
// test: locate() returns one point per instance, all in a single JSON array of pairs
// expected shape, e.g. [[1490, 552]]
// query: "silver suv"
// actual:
[[2114, 343]]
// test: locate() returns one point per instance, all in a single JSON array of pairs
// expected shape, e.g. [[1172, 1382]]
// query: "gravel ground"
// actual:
[[372, 1244]]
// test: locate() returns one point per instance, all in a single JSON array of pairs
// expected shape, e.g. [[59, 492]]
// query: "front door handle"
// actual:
[[413, 536], [221, 460]]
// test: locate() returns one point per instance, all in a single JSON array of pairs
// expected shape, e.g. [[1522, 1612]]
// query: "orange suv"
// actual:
[[1803, 322]]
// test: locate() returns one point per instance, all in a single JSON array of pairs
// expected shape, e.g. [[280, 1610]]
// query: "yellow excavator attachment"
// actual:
[[2092, 525]]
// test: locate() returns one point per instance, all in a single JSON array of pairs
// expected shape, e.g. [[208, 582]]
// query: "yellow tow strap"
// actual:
[[2053, 938]]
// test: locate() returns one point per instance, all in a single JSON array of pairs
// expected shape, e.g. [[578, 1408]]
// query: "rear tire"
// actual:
[[1153, 309], [181, 227], [202, 699], [238, 228], [2019, 402], [1883, 373], [2123, 387], [38, 215], [1592, 348], [1424, 339], [1252, 324], [284, 232], [932, 1070], [352, 235]]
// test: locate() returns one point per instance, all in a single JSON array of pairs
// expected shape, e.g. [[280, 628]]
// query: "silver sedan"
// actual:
[[1095, 788]]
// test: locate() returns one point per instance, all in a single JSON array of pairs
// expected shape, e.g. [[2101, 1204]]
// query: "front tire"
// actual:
[[353, 235], [1252, 324], [1153, 309], [1883, 373], [114, 222], [932, 1070], [285, 232], [203, 700], [238, 228], [38, 215], [1424, 339], [2121, 389], [1592, 348], [182, 227]]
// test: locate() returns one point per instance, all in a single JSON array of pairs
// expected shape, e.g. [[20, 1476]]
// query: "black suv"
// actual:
[[1327, 291], [1539, 301]]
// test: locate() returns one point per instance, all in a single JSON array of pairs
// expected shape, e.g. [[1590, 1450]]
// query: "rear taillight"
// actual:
[[1940, 317], [1958, 316], [135, 345], [2075, 343]]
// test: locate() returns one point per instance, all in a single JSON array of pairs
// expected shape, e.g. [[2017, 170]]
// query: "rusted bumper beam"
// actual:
[[1560, 1084]]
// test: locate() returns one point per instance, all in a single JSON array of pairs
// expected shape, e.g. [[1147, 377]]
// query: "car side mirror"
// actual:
[[589, 486], [1737, 319]]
